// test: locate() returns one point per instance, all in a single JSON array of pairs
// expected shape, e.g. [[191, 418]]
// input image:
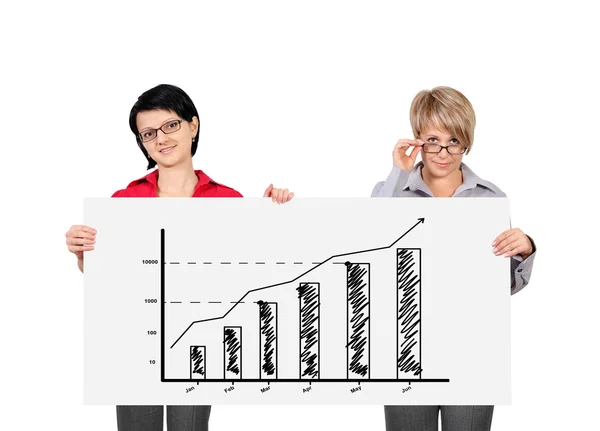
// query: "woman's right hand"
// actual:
[[401, 159], [80, 239]]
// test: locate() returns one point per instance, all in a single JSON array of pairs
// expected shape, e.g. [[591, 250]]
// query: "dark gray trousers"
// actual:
[[425, 418], [150, 418]]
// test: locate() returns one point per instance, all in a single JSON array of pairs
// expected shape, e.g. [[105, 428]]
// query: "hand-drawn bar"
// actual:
[[197, 362], [309, 303], [268, 339], [232, 352], [408, 294], [358, 345]]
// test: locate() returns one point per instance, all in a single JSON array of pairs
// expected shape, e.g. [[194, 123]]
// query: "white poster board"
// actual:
[[318, 301]]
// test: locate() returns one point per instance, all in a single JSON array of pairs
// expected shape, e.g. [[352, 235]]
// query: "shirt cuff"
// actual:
[[521, 269]]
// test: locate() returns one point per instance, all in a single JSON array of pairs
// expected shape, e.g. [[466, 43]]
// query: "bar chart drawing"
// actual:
[[232, 341], [311, 302], [308, 293], [357, 280], [197, 362], [409, 312], [358, 320], [268, 339]]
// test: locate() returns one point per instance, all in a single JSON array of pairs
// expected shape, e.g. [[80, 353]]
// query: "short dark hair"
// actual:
[[164, 97]]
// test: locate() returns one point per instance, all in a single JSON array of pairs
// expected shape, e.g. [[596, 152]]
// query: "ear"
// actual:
[[195, 125]]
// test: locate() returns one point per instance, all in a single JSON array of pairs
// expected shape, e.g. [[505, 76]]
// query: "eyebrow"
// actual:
[[437, 137]]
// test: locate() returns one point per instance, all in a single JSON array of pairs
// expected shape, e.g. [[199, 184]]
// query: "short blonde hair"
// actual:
[[445, 109]]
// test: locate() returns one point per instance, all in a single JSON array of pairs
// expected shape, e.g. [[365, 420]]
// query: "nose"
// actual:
[[444, 154], [161, 137]]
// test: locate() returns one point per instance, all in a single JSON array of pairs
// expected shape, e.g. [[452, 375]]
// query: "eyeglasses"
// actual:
[[452, 149], [169, 127]]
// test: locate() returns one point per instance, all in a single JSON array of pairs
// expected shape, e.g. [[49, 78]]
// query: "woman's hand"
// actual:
[[401, 159], [80, 239], [512, 242], [278, 196]]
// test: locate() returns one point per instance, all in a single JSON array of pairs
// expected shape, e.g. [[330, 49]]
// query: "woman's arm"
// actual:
[[514, 243], [278, 196], [392, 185], [404, 157], [80, 239], [520, 269]]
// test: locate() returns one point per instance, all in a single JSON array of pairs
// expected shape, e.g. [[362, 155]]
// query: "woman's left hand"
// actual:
[[512, 242], [278, 196]]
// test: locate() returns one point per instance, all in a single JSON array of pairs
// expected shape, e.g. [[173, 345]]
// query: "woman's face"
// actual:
[[173, 147], [442, 164]]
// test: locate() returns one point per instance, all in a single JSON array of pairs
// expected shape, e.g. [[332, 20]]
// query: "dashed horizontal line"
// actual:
[[244, 263], [200, 302]]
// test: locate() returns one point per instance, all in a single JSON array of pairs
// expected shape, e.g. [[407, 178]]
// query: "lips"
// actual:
[[442, 165], [167, 150]]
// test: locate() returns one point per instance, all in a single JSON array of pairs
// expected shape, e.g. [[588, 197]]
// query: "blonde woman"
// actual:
[[443, 125]]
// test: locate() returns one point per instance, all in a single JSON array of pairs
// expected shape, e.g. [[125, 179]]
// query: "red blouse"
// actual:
[[205, 188]]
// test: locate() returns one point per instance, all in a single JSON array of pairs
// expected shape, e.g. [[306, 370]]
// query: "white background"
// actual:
[[312, 96]]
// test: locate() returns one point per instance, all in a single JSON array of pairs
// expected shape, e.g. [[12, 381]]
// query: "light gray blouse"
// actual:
[[404, 184]]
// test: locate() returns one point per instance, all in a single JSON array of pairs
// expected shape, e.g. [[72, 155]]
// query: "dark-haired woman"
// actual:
[[165, 123]]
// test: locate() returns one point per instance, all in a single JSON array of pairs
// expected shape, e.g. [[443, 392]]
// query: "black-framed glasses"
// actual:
[[170, 126], [452, 149]]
